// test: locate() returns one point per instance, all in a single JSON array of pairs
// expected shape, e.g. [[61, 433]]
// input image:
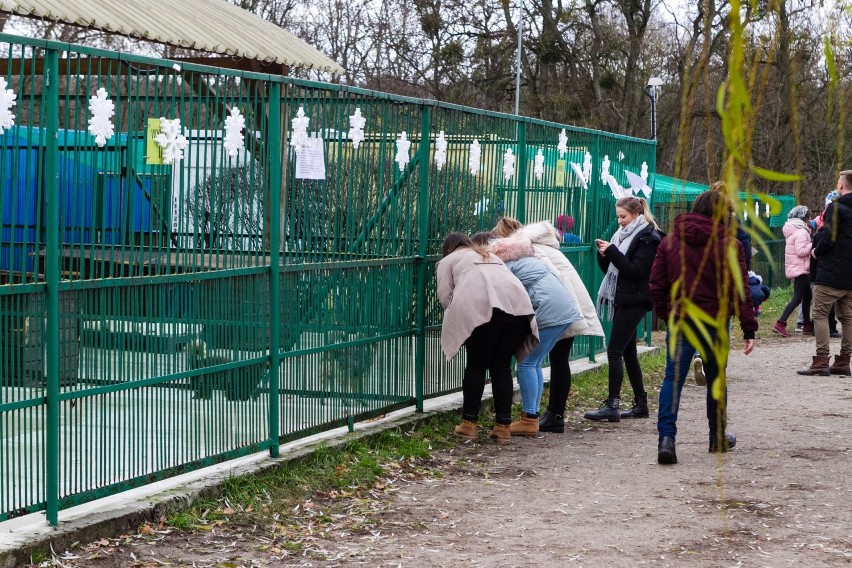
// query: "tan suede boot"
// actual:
[[466, 430], [501, 434], [524, 426], [841, 365], [820, 366]]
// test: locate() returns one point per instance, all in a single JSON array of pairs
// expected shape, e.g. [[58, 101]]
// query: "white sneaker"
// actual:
[[698, 370]]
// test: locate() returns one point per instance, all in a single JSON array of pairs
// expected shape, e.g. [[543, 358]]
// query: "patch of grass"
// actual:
[[590, 388]]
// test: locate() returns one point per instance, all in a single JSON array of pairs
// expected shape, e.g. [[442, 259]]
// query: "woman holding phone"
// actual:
[[624, 297]]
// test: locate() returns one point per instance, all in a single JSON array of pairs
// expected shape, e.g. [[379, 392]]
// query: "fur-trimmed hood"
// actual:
[[543, 233], [512, 248]]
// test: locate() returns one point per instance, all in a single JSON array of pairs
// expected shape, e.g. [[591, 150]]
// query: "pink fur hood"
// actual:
[[512, 248]]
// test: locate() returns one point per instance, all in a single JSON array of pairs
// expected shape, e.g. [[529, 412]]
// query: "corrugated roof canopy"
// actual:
[[215, 26]]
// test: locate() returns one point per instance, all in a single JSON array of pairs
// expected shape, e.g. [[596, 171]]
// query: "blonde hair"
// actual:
[[637, 206], [506, 227]]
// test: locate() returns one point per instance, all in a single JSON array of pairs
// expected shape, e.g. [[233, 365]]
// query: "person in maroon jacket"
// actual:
[[691, 268]]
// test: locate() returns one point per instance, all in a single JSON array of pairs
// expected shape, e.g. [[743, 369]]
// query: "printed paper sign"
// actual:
[[153, 151], [560, 172], [310, 161]]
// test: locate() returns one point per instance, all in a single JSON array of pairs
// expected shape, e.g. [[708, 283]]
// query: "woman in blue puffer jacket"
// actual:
[[555, 310]]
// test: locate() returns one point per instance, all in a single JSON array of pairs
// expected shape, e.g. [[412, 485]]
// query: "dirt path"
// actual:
[[595, 496]]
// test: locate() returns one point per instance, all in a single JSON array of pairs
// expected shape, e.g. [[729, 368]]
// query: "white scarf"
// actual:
[[621, 239]]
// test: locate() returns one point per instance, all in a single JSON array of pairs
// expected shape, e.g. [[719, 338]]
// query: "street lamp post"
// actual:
[[654, 83]]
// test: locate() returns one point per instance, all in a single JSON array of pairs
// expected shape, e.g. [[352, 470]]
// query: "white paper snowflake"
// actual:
[[562, 147], [299, 130], [171, 140], [100, 122], [481, 206], [356, 128], [475, 156], [644, 172], [403, 144], [508, 164], [587, 167], [538, 169], [440, 151], [605, 169], [234, 125], [7, 101]]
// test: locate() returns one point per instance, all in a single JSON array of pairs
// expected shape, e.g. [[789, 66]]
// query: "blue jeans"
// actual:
[[530, 375], [677, 366]]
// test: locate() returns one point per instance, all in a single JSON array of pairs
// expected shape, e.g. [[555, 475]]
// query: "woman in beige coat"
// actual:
[[487, 310], [546, 245]]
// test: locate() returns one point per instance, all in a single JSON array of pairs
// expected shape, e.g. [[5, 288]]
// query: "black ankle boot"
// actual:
[[551, 422], [640, 408], [607, 411], [666, 451], [728, 443]]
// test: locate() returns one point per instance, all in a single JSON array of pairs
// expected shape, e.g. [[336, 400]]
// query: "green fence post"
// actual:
[[652, 168], [422, 251], [522, 171], [594, 195], [273, 146], [52, 276]]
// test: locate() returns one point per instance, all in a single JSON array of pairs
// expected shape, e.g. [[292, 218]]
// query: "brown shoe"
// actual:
[[525, 426], [841, 366], [466, 430], [820, 366], [501, 434]]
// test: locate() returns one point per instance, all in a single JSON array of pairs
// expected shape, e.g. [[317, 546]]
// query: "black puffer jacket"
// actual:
[[833, 245], [634, 268]]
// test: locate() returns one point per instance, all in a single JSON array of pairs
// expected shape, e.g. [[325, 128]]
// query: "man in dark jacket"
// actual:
[[693, 288], [833, 282]]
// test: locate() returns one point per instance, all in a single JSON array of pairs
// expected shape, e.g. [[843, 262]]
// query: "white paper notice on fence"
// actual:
[[310, 160]]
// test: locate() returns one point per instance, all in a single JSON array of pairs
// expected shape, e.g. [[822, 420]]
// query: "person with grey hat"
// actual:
[[797, 267]]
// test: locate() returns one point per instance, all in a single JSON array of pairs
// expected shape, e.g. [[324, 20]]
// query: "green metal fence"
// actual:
[[156, 318]]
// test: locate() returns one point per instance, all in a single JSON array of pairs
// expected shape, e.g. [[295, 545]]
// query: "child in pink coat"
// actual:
[[797, 267]]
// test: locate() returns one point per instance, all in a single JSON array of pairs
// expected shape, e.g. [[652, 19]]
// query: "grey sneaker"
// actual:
[[698, 371]]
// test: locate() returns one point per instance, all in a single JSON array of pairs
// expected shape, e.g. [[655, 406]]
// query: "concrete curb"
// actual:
[[125, 512]]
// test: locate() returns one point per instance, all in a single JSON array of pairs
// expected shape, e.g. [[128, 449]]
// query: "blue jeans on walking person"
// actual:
[[677, 367], [530, 375]]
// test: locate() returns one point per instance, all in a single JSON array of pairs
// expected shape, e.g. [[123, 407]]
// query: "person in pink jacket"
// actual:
[[797, 267], [488, 310]]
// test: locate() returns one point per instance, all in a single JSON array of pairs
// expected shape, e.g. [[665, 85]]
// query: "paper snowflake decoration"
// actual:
[[637, 184], [605, 168], [171, 140], [620, 156], [617, 191], [403, 144], [299, 130], [581, 176], [234, 125], [356, 128], [440, 151], [562, 147], [481, 206], [587, 167], [475, 156], [100, 122], [7, 101], [508, 164], [538, 169], [644, 173]]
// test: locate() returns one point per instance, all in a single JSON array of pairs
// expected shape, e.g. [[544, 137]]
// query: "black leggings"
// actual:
[[621, 350], [560, 375], [490, 348], [801, 295]]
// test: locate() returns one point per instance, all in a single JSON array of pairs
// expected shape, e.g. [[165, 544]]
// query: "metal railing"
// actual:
[[156, 318]]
